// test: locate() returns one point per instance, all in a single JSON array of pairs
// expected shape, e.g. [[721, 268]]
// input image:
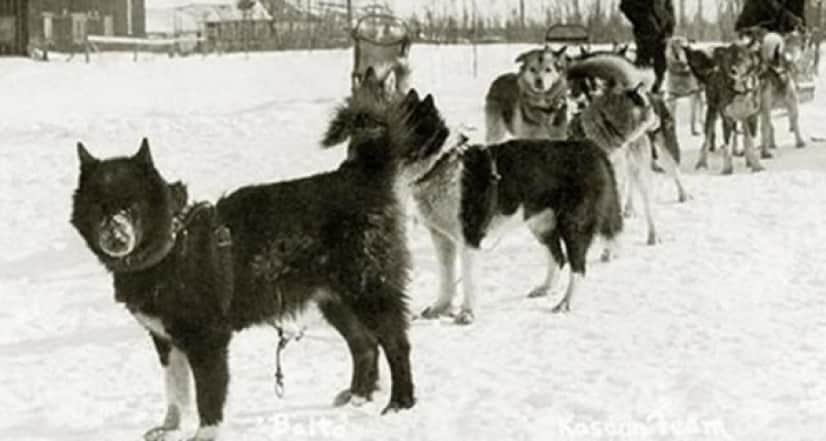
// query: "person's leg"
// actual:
[[645, 55], [658, 46]]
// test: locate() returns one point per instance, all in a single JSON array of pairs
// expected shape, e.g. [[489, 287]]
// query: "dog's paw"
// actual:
[[800, 144], [399, 405], [348, 397], [765, 154], [757, 168], [539, 291], [163, 434], [701, 165], [727, 171], [607, 255], [434, 312], [652, 239], [205, 434], [464, 317], [564, 305]]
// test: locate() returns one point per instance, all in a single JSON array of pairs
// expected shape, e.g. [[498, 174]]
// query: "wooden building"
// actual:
[[64, 24]]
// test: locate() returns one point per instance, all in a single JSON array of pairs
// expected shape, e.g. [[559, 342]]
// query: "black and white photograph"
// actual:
[[493, 220]]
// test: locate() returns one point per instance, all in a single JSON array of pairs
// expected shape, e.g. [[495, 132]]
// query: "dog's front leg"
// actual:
[[642, 179], [793, 102], [446, 257], [696, 111], [766, 131], [728, 146], [465, 316], [177, 379], [211, 373], [709, 140], [750, 128]]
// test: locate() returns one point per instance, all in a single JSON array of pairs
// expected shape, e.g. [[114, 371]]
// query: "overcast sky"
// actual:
[[485, 7]]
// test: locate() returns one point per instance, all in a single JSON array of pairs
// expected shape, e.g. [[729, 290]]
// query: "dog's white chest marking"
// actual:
[[501, 225], [542, 222], [152, 324]]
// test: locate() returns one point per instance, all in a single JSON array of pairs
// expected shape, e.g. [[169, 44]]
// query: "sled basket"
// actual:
[[378, 39], [568, 34]]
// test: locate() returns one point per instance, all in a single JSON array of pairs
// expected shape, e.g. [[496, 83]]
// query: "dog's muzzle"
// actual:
[[118, 235]]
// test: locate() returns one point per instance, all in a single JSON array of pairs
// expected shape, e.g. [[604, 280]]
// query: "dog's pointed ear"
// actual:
[[340, 128], [582, 51], [389, 83], [411, 100], [561, 51], [144, 155], [427, 103], [87, 161], [369, 76], [623, 50], [520, 59], [180, 195], [777, 56]]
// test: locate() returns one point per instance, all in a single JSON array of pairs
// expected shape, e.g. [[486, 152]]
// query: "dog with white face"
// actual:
[[530, 103]]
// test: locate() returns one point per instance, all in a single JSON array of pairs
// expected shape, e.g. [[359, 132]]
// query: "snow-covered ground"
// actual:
[[716, 333]]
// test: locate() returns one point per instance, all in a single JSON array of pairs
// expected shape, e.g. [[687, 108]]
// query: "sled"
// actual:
[[567, 35], [378, 39]]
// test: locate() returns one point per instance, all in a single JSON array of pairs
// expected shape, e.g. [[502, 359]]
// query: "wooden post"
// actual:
[[349, 15]]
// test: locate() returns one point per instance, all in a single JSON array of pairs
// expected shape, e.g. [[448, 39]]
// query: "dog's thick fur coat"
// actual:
[[565, 191], [733, 93], [531, 103], [262, 253]]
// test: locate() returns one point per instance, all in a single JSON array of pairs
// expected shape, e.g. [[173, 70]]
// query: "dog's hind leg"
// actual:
[[793, 106], [177, 373], [465, 316], [577, 241], [446, 257], [363, 350], [673, 170], [767, 140], [750, 128]]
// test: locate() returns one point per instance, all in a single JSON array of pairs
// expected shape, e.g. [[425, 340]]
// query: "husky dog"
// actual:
[[778, 86], [680, 81], [531, 103], [623, 119], [193, 275], [464, 195], [733, 91]]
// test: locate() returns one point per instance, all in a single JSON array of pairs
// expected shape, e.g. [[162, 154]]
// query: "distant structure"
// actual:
[[63, 25]]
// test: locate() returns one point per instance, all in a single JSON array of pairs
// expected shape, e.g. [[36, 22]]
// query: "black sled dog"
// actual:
[[194, 274], [565, 191]]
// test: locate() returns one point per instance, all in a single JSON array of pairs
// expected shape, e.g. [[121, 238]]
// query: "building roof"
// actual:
[[190, 17]]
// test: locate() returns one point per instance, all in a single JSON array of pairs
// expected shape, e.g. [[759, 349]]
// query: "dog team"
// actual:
[[568, 140]]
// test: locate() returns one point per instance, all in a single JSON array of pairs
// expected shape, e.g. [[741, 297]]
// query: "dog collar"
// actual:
[[149, 257]]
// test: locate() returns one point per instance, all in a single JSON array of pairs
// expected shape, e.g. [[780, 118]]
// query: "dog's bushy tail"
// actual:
[[613, 68], [611, 222]]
